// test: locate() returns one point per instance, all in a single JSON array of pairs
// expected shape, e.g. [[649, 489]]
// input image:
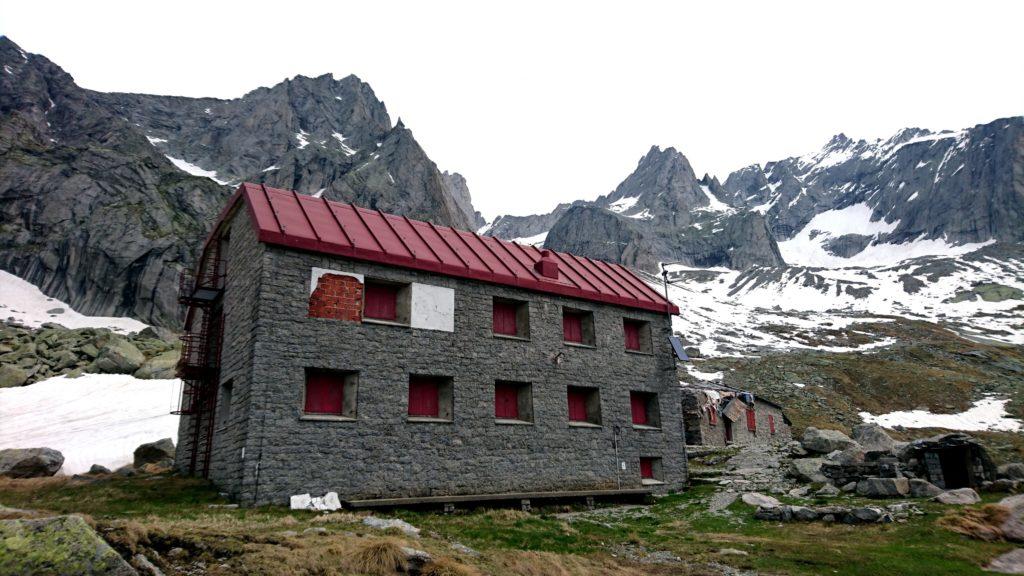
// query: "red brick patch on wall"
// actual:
[[337, 297]]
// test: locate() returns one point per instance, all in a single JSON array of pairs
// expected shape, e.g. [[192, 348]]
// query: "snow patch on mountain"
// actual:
[[78, 417], [623, 204], [194, 170], [23, 303], [535, 240], [986, 414]]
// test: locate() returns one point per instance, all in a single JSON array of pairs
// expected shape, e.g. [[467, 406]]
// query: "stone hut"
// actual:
[[949, 461], [335, 348], [718, 415]]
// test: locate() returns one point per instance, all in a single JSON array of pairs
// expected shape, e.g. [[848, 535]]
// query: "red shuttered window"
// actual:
[[577, 406], [381, 302], [325, 392], [771, 423], [572, 327], [712, 415], [506, 401], [632, 333], [505, 318], [647, 468], [751, 420], [423, 397], [638, 403]]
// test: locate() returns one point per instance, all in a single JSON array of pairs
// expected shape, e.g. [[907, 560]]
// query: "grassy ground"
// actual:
[[162, 513]]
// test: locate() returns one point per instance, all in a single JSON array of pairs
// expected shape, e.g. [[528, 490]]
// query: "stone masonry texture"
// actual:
[[265, 449]]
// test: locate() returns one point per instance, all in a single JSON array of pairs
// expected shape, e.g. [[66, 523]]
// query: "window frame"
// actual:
[[643, 336], [651, 408], [524, 402], [654, 464], [751, 420], [588, 336], [591, 398], [521, 315], [403, 301], [445, 390], [349, 380]]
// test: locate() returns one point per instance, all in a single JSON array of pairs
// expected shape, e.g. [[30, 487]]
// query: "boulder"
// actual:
[[850, 455], [774, 514], [1011, 562], [160, 453], [59, 545], [97, 469], [1013, 526], [960, 496], [30, 462], [803, 513], [865, 514], [1012, 471], [872, 438], [825, 441], [161, 366], [923, 489], [158, 333], [827, 491], [796, 449], [11, 376], [883, 487], [758, 499], [808, 470], [118, 356]]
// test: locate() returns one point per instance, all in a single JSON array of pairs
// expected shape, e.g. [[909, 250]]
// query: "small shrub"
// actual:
[[347, 517], [380, 557], [982, 523]]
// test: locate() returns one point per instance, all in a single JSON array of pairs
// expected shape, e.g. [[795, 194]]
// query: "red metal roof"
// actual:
[[287, 218]]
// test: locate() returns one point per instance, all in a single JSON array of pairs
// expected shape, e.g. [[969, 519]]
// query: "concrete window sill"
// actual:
[[384, 322], [428, 420], [651, 482], [583, 425], [639, 352], [646, 427], [581, 345], [511, 337], [327, 418], [507, 422]]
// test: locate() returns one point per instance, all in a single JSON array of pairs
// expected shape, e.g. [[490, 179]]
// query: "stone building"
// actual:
[[336, 348], [717, 415]]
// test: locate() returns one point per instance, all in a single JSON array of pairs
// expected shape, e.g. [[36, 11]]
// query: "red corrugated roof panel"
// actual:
[[298, 221]]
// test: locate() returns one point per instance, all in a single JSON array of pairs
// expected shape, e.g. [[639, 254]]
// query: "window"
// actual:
[[430, 397], [386, 301], [712, 415], [226, 390], [751, 420], [330, 393], [650, 470], [513, 401], [584, 405], [771, 424], [578, 326], [637, 334], [644, 406], [511, 318]]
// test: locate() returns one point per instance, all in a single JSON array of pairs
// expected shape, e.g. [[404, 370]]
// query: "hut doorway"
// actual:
[[956, 467]]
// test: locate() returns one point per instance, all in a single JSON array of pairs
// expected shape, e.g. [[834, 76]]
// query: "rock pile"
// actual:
[[30, 355], [843, 514]]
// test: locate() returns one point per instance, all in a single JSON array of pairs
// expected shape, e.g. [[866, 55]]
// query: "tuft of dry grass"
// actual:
[[379, 556], [506, 514], [126, 534], [979, 523], [445, 566], [344, 517]]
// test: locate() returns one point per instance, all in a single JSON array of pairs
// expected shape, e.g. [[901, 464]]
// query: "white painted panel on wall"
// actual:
[[433, 307], [314, 278]]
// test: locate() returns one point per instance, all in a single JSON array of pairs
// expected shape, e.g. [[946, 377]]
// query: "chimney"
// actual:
[[547, 266]]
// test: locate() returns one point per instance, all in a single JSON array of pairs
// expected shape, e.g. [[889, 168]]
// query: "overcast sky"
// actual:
[[537, 103]]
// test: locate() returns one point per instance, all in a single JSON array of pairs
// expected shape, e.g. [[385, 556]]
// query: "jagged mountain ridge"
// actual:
[[106, 197], [919, 192]]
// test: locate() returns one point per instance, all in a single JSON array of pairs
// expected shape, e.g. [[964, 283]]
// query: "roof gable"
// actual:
[[293, 220]]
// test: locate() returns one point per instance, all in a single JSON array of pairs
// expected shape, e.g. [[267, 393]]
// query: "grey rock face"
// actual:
[[119, 356], [873, 438], [97, 215], [97, 469], [1011, 562], [456, 187], [160, 366], [1012, 471], [883, 487], [59, 545], [923, 489], [30, 462], [758, 499], [12, 375], [825, 441], [160, 453], [808, 470]]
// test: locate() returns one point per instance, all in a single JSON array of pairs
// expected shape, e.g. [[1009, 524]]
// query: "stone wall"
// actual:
[[382, 453], [708, 434]]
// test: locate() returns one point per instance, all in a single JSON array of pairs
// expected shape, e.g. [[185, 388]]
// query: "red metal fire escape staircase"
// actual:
[[199, 366]]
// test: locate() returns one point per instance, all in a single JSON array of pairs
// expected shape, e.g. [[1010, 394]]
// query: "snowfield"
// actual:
[[92, 419], [986, 414], [25, 304]]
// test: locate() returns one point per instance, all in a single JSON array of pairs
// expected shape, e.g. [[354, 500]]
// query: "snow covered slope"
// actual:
[[25, 304], [978, 295], [92, 419]]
